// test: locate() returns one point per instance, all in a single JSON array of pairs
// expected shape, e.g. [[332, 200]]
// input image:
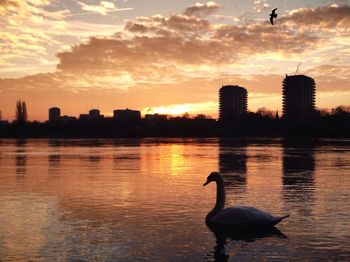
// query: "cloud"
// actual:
[[103, 8], [222, 17], [165, 26], [329, 17], [29, 31], [33, 31], [261, 5], [199, 9], [156, 43], [7, 6], [335, 71]]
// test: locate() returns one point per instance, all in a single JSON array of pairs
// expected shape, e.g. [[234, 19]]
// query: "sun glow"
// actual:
[[177, 161], [170, 110], [180, 109]]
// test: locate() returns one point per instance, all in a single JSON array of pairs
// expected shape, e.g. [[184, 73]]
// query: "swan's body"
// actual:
[[236, 217]]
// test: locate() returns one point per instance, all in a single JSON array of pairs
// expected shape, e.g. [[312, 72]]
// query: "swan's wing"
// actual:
[[274, 11], [243, 216]]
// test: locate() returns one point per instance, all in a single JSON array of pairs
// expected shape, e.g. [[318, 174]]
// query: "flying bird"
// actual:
[[273, 15]]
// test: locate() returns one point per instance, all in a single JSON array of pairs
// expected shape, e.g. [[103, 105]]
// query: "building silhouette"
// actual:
[[66, 118], [126, 115], [298, 177], [298, 98], [54, 114], [94, 114], [155, 117], [232, 103], [233, 163]]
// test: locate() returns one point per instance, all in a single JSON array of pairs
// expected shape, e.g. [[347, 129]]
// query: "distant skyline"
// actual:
[[168, 57]]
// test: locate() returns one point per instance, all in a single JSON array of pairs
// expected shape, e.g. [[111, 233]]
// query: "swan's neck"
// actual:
[[220, 198]]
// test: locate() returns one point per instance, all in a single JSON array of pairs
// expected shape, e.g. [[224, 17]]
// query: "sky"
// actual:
[[168, 57]]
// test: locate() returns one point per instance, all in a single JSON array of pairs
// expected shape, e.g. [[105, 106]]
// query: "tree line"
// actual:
[[263, 122]]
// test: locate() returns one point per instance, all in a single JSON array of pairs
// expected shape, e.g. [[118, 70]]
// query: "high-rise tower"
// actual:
[[232, 103], [298, 97], [54, 114]]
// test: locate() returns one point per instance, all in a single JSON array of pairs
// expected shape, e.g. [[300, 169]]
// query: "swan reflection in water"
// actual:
[[241, 237]]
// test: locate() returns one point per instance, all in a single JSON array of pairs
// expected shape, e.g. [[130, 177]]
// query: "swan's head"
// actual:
[[214, 176]]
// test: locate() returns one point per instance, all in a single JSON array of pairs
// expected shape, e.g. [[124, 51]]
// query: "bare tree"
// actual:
[[21, 111]]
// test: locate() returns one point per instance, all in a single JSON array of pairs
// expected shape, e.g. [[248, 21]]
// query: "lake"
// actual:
[[143, 199]]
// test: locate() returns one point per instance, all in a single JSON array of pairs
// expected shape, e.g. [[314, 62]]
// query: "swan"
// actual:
[[240, 217]]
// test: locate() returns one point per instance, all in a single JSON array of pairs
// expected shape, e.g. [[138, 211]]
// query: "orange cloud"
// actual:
[[184, 39]]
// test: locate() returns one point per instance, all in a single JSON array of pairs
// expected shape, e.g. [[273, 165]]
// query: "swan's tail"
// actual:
[[279, 219]]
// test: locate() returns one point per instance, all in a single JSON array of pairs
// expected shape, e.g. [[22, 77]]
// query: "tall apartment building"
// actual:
[[298, 98], [54, 114], [232, 103]]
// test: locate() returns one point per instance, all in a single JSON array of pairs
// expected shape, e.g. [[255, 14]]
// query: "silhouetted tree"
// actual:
[[0, 115], [277, 116], [201, 116], [186, 116], [341, 110], [263, 111], [21, 111], [323, 112]]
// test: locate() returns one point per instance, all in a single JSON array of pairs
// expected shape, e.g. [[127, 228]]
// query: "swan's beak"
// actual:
[[206, 183]]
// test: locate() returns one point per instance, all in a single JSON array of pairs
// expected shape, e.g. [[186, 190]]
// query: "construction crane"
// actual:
[[296, 71]]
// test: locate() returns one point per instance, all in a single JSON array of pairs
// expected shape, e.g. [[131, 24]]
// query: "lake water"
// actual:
[[143, 199]]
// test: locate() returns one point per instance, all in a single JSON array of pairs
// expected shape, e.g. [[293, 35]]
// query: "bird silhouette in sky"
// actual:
[[273, 15]]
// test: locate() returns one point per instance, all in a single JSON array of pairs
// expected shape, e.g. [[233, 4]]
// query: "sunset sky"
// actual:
[[167, 56]]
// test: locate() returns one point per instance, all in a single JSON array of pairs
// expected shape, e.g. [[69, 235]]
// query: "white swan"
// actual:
[[236, 217]]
